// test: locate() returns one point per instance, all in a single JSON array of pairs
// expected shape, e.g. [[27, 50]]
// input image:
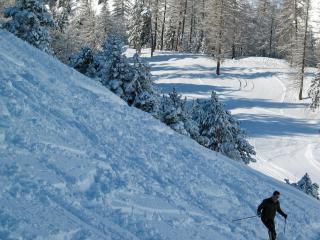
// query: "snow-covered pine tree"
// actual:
[[83, 62], [131, 82], [114, 69], [173, 112], [140, 91], [220, 131], [314, 91], [30, 21], [305, 185]]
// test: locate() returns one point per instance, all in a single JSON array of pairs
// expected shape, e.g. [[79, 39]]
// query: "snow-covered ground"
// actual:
[[77, 163], [260, 92]]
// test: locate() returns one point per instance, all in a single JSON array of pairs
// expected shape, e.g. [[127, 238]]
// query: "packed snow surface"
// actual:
[[78, 163], [261, 93]]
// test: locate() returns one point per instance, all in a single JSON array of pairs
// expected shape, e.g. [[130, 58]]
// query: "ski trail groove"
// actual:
[[310, 156]]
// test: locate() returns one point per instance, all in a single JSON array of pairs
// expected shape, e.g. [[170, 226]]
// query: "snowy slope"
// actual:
[[77, 163], [260, 92]]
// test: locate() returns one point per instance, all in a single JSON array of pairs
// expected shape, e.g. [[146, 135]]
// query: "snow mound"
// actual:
[[78, 163]]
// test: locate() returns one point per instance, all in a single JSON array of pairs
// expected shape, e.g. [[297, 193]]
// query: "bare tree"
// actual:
[[304, 47]]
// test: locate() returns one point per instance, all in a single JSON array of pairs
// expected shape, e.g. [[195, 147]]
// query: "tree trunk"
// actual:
[[234, 29], [155, 35], [183, 21], [191, 24], [163, 24], [233, 51], [202, 31], [151, 29], [218, 66], [271, 33], [219, 45], [304, 50], [178, 37]]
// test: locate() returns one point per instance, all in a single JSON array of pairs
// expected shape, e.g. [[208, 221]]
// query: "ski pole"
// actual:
[[240, 219], [285, 225]]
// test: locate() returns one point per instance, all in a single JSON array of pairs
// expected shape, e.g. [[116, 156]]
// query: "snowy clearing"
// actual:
[[260, 93]]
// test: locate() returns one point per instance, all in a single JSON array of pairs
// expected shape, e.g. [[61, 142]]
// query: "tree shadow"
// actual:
[[165, 57], [183, 88], [263, 125], [249, 103], [258, 123], [197, 71]]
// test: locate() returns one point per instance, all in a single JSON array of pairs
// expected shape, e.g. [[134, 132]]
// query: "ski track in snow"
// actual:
[[284, 93], [310, 156]]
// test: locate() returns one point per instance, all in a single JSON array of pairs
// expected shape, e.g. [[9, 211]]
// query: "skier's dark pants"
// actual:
[[269, 223]]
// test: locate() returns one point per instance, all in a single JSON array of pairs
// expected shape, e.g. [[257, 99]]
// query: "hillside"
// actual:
[[78, 163]]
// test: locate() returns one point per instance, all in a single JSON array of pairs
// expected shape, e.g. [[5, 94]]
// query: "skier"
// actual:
[[269, 207]]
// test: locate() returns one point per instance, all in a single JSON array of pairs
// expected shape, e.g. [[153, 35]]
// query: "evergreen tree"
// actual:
[[114, 68], [83, 62], [141, 91], [305, 185], [30, 21], [131, 82], [220, 131], [173, 112]]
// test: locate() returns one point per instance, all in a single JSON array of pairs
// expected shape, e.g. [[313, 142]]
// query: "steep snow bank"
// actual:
[[77, 163]]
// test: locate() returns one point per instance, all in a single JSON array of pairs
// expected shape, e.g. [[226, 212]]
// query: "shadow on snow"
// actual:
[[263, 125]]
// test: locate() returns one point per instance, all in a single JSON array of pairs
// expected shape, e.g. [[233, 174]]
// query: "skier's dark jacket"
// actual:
[[269, 209]]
